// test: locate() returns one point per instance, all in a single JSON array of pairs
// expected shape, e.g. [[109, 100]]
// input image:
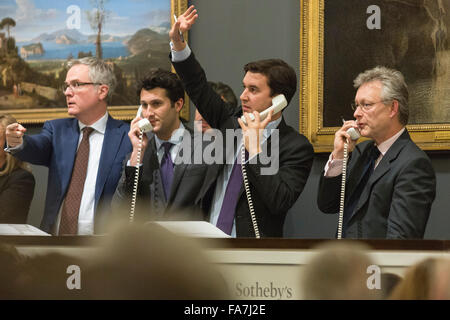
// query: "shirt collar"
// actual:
[[385, 145], [176, 137], [270, 126], [99, 125]]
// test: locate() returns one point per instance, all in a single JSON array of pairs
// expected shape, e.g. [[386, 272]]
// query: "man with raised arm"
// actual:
[[271, 193]]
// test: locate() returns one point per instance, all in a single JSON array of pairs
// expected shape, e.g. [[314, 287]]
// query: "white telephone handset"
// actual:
[[279, 102], [354, 133], [145, 126]]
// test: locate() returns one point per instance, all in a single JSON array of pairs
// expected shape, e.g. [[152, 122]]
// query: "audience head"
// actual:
[[338, 272], [227, 95], [148, 262], [225, 92], [428, 279], [389, 281], [133, 262]]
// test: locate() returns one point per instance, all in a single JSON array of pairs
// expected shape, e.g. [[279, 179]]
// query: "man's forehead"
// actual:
[[369, 88], [251, 78], [78, 72], [153, 94]]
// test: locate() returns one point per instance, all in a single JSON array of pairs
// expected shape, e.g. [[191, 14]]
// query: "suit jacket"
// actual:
[[273, 195], [16, 193], [151, 204], [395, 202], [56, 146]]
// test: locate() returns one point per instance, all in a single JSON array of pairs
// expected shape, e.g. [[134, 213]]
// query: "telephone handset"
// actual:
[[354, 135], [279, 102], [145, 126]]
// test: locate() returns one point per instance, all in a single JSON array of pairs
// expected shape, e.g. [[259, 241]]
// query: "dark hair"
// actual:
[[225, 91], [159, 78], [281, 76]]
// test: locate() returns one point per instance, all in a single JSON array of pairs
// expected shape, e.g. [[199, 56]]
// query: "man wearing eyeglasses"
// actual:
[[84, 154], [390, 182]]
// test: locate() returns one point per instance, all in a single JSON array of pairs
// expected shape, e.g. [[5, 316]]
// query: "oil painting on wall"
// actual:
[[342, 38], [38, 37]]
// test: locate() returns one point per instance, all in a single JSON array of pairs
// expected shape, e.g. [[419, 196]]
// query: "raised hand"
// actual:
[[184, 23]]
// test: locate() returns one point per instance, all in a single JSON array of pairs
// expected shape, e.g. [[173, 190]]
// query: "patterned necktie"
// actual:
[[368, 169], [227, 212], [167, 169], [71, 207]]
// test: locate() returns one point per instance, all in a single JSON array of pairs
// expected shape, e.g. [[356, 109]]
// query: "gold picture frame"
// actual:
[[428, 136], [126, 112]]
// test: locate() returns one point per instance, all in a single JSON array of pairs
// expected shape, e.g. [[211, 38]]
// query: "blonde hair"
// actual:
[[11, 163]]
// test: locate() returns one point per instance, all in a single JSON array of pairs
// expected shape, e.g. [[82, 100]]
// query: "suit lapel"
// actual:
[[69, 143], [180, 169], [355, 171], [383, 167], [111, 143], [150, 162], [178, 174]]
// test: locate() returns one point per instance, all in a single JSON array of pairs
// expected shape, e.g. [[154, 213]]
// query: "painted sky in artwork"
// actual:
[[35, 17]]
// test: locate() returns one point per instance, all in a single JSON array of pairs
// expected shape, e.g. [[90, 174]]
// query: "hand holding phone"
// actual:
[[143, 124], [354, 133], [279, 102]]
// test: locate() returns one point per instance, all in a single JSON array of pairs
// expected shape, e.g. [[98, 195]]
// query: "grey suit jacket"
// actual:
[[151, 203], [396, 201]]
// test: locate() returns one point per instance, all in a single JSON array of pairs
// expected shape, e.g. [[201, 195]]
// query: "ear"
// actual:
[[394, 109], [179, 104], [103, 90]]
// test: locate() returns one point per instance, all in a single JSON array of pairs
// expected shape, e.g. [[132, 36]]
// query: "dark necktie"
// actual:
[[167, 169], [367, 171], [227, 212], [71, 207]]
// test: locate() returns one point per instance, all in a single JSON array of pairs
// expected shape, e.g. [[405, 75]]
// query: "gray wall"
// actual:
[[229, 34]]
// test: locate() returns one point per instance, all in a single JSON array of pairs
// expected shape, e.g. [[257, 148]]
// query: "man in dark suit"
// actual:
[[169, 178], [390, 182], [272, 193], [84, 154]]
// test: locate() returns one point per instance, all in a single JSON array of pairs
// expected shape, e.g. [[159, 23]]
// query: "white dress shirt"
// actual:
[[87, 206]]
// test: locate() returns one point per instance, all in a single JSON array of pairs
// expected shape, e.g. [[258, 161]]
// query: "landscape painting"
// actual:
[[39, 37]]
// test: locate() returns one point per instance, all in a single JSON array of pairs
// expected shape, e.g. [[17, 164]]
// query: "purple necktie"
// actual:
[[167, 169], [227, 212]]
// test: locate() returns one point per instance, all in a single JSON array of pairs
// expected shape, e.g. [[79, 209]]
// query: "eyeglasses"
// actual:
[[76, 85], [365, 106]]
